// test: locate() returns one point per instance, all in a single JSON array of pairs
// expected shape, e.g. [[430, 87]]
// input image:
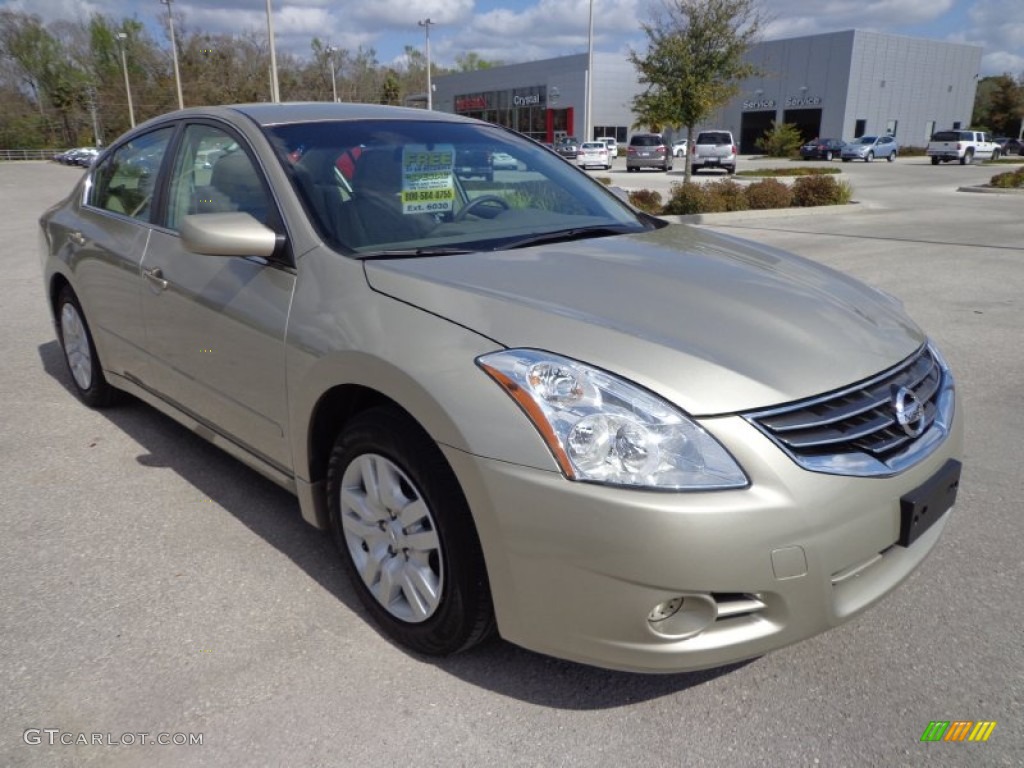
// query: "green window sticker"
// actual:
[[428, 180]]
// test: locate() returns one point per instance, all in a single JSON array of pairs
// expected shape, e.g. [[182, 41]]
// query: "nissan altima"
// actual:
[[518, 407]]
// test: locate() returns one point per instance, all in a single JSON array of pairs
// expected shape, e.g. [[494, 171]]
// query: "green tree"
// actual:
[[1006, 108], [695, 59], [781, 140], [390, 91], [471, 61]]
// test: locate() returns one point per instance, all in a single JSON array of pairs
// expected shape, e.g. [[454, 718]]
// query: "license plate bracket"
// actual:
[[920, 508]]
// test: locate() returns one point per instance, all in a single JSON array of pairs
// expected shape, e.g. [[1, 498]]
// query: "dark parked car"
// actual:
[[1013, 147], [821, 149]]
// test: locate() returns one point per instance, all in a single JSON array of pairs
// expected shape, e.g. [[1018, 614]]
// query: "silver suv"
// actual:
[[714, 149], [648, 150]]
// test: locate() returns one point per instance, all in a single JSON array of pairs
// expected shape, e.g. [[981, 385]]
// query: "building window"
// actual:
[[859, 129], [890, 127], [956, 125]]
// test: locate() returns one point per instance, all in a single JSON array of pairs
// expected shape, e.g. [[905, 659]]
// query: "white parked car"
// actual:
[[503, 161], [679, 148], [593, 153], [612, 144]]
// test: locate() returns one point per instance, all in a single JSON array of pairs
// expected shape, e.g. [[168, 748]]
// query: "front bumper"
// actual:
[[577, 568]]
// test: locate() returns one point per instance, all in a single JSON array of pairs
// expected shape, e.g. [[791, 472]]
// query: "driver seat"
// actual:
[[377, 201]]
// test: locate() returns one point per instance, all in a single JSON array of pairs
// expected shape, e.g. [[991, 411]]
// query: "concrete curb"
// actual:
[[992, 190], [771, 213]]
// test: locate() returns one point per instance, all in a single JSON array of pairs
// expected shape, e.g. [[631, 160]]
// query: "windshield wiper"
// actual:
[[413, 253], [566, 235]]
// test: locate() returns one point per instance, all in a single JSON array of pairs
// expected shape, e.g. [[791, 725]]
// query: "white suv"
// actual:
[[612, 144], [714, 149]]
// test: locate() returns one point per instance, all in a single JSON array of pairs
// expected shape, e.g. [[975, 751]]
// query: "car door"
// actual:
[[215, 325], [109, 236]]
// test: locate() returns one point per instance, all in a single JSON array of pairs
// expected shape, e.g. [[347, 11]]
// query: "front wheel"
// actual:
[[405, 533], [80, 352], [870, 156]]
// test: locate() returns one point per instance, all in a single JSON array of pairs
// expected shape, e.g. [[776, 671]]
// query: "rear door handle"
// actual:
[[156, 277]]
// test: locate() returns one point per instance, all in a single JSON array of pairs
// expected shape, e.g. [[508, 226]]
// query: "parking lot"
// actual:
[[153, 585]]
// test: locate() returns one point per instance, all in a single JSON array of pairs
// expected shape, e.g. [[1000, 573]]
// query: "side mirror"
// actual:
[[227, 234]]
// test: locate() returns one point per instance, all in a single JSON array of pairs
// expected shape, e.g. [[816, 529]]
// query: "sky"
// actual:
[[513, 31]]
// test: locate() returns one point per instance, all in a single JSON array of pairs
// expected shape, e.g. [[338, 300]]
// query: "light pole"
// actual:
[[123, 39], [590, 76], [329, 50], [430, 89], [174, 52], [275, 89]]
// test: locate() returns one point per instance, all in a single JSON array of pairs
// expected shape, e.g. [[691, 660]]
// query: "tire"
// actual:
[[695, 169], [828, 156], [730, 170], [968, 158], [935, 161], [847, 159], [410, 548], [892, 157], [869, 157], [995, 154], [80, 353]]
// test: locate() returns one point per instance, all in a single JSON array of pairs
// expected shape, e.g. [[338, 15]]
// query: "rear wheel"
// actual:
[[935, 161], [891, 157], [968, 158], [80, 352], [405, 533]]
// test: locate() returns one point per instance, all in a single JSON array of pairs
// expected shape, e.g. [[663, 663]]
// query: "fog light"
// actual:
[[684, 616]]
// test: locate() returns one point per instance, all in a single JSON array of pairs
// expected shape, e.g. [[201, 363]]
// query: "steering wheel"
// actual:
[[476, 202]]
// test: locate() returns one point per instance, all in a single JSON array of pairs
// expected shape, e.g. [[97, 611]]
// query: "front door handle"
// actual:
[[156, 277], [77, 238]]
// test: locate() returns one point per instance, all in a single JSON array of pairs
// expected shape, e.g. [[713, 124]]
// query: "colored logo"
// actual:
[[958, 730]]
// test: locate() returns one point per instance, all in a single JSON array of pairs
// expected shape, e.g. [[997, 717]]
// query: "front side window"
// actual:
[[125, 182], [373, 186], [213, 174]]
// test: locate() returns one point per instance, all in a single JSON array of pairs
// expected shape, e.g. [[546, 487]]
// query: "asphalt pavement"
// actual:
[[153, 585]]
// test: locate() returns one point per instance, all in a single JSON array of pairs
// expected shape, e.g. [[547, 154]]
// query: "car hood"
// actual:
[[713, 323]]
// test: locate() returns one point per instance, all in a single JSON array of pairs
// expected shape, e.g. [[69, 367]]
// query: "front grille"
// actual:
[[857, 430]]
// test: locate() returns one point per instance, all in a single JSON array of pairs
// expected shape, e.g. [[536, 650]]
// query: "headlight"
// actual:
[[603, 429]]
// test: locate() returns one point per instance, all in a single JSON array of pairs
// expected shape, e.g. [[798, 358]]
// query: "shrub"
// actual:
[[685, 199], [819, 190], [1008, 180], [781, 140], [768, 193], [725, 195], [646, 200]]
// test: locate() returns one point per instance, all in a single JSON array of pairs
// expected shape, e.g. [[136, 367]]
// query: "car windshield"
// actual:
[[419, 188], [868, 139]]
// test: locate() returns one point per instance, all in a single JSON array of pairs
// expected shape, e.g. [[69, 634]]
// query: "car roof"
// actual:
[[266, 114]]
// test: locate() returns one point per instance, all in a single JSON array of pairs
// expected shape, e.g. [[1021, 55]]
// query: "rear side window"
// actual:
[[714, 137], [646, 141], [126, 181]]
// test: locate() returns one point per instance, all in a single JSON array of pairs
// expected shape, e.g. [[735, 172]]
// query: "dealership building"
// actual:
[[841, 84]]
